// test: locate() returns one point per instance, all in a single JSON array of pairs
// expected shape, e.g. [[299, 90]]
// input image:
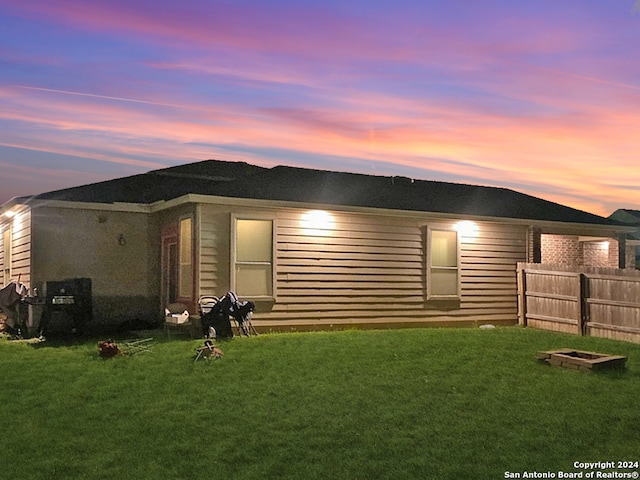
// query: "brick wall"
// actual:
[[569, 250], [561, 250], [600, 254]]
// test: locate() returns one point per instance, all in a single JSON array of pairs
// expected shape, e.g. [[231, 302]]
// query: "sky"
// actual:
[[542, 97]]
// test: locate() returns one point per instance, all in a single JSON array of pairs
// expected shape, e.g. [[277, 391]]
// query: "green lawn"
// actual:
[[401, 404]]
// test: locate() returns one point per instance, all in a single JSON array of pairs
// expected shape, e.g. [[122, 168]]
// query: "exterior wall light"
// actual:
[[18, 219], [317, 222], [467, 230]]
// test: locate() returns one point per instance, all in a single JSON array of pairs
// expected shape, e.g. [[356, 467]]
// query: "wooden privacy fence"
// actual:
[[600, 302]]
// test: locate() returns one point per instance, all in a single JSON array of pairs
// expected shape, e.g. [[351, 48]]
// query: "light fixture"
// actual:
[[467, 230], [317, 222]]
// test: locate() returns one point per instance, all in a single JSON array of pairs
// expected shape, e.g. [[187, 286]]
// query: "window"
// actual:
[[443, 264], [186, 258], [253, 272]]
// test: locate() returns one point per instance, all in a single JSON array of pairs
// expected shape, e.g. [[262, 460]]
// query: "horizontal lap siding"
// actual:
[[214, 251], [20, 248], [489, 283], [370, 269], [359, 269], [366, 269]]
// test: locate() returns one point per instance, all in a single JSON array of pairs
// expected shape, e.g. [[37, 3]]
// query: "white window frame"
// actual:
[[430, 268], [234, 262]]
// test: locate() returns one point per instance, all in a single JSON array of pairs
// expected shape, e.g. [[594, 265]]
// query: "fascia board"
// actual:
[[113, 207], [567, 228]]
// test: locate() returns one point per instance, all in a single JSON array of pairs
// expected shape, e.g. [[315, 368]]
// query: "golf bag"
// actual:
[[219, 317], [11, 296]]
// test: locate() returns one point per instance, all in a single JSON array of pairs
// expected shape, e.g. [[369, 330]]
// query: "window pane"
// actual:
[[444, 248], [253, 280], [185, 240], [254, 240], [444, 282], [186, 281], [186, 255]]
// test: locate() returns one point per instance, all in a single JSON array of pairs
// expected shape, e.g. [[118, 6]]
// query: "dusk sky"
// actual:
[[539, 96]]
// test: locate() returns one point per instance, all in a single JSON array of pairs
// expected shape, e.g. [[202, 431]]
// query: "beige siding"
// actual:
[[213, 250], [372, 269], [20, 261], [369, 269], [3, 260]]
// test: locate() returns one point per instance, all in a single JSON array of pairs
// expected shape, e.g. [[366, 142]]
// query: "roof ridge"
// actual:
[[217, 178]]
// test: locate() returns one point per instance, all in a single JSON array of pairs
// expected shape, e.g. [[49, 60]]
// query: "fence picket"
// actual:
[[600, 302]]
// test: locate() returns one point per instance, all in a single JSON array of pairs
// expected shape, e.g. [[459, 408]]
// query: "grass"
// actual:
[[426, 403]]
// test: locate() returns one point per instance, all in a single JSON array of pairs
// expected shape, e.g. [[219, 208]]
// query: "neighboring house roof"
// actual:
[[303, 185], [630, 217]]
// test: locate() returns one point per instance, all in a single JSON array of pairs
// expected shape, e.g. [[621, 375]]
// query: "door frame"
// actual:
[[169, 264]]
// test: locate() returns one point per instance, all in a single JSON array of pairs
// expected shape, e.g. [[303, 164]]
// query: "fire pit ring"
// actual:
[[581, 360]]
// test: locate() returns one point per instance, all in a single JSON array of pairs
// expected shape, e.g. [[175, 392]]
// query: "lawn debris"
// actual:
[[110, 349], [208, 351], [135, 346]]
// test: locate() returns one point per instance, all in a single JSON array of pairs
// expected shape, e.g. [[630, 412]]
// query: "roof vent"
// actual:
[[398, 180]]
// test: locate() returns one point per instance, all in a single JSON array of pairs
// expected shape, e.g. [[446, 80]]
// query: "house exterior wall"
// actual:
[[19, 234], [117, 250], [561, 250], [214, 250], [367, 270], [571, 250], [5, 233]]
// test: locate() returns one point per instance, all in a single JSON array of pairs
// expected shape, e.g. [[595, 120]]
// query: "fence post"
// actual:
[[582, 310], [522, 295]]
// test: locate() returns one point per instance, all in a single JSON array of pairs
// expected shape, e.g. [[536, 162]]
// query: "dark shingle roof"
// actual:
[[629, 217], [242, 180], [334, 188], [164, 184]]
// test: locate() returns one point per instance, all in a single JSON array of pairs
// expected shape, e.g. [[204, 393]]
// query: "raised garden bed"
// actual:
[[581, 360]]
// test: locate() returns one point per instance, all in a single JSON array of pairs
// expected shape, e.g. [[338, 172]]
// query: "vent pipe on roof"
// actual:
[[399, 180]]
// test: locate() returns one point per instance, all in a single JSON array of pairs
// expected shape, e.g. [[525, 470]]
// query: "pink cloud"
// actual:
[[513, 102], [411, 134]]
